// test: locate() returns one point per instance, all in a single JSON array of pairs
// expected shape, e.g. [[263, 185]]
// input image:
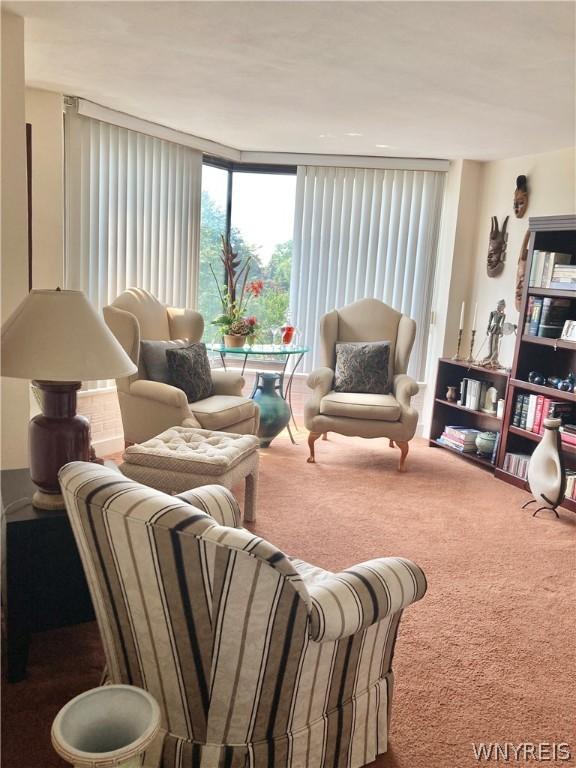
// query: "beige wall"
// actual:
[[15, 394], [551, 182], [44, 112]]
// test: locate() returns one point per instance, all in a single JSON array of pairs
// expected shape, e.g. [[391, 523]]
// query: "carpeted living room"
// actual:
[[288, 358]]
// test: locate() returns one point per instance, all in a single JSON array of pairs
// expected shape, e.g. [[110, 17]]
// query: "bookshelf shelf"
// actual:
[[468, 410], [555, 394], [554, 343], [552, 293], [551, 357], [468, 456]]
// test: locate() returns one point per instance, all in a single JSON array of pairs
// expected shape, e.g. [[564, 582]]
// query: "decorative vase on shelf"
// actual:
[[234, 342], [485, 442], [109, 726], [274, 410], [546, 476], [451, 395]]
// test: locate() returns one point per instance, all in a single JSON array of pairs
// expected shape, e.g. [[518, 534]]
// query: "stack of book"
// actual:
[[546, 316], [568, 434], [517, 464], [564, 277], [459, 439], [472, 393], [544, 265], [531, 410], [570, 492]]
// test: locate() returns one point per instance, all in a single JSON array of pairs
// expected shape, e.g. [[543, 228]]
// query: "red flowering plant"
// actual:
[[236, 296]]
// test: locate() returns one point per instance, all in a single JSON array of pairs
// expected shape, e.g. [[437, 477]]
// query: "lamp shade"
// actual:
[[57, 335]]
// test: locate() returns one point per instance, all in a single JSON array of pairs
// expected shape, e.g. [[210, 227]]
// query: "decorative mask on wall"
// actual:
[[497, 247], [521, 197], [521, 271]]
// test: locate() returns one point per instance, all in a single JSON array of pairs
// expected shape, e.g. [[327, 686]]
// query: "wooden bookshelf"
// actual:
[[551, 357], [450, 373]]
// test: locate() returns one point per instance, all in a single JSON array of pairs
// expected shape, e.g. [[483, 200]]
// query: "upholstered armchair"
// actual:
[[255, 659], [361, 414], [150, 407]]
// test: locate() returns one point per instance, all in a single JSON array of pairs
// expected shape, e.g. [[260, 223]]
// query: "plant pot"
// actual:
[[234, 342], [106, 727], [274, 410]]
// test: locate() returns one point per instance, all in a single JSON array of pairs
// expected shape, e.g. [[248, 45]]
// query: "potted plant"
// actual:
[[235, 326]]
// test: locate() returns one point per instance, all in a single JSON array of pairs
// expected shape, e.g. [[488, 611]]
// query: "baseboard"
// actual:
[[108, 445]]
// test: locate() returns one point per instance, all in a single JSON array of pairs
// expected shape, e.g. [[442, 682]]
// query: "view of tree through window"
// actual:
[[261, 227]]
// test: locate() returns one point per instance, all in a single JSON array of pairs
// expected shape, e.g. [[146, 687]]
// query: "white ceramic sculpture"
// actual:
[[108, 726], [546, 476]]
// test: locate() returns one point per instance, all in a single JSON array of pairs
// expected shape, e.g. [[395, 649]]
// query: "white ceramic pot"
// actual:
[[234, 342], [107, 727], [546, 469]]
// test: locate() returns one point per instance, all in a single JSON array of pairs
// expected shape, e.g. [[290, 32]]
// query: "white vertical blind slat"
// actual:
[[364, 232], [132, 213]]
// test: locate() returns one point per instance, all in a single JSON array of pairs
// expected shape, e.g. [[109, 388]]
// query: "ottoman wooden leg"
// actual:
[[251, 496]]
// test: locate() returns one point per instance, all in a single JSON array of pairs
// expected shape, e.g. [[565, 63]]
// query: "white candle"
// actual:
[[475, 317], [461, 326]]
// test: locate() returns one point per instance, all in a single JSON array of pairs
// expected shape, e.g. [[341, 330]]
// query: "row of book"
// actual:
[[551, 269], [517, 464], [473, 393], [531, 410], [546, 316], [463, 440], [568, 434]]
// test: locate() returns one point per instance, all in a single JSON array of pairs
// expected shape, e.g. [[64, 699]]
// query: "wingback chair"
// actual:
[[255, 659], [150, 407], [361, 414]]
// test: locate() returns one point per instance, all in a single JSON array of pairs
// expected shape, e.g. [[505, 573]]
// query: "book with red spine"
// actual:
[[538, 415]]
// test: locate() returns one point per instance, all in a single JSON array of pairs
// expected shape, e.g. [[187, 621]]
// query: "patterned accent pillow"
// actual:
[[189, 369], [362, 367]]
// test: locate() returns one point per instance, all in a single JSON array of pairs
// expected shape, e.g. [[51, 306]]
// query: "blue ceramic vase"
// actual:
[[274, 410]]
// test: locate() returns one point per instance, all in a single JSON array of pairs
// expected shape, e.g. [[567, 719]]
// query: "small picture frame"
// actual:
[[569, 331]]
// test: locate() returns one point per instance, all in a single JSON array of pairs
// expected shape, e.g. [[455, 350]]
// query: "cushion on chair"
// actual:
[[222, 411], [358, 405], [183, 449], [153, 358], [362, 367], [189, 369]]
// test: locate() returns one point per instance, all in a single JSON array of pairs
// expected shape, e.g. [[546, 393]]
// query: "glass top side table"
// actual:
[[281, 353]]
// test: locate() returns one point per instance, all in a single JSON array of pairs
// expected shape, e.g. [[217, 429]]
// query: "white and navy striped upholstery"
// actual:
[[256, 660]]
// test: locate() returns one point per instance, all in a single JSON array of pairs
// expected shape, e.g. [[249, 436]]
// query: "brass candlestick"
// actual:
[[471, 356], [457, 355]]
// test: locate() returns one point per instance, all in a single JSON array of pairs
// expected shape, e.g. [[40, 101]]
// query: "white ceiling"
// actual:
[[479, 80]]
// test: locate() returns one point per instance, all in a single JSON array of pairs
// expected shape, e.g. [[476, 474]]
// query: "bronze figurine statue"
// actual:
[[495, 331]]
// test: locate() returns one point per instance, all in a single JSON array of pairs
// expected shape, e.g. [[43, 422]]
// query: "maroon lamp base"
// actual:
[[57, 435]]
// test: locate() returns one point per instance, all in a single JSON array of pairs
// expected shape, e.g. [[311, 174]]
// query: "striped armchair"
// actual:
[[255, 659]]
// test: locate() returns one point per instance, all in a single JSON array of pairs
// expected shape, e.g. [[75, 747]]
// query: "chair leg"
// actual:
[[250, 496], [312, 437], [403, 454], [324, 435]]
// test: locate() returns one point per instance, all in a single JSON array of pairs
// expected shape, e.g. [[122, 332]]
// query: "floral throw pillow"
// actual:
[[363, 367], [189, 370]]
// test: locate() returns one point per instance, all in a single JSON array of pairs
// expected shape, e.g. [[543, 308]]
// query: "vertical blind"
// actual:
[[365, 233], [132, 213]]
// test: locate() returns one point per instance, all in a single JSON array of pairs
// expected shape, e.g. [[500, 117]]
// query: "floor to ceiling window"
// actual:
[[255, 208]]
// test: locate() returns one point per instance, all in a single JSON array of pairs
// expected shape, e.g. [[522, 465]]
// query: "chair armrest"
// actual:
[[185, 324], [217, 502], [160, 392], [320, 381], [346, 602], [404, 388], [227, 382]]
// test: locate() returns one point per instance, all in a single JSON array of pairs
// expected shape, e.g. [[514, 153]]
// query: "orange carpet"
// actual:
[[489, 655]]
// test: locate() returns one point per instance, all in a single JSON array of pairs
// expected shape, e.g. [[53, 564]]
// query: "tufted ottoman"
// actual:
[[182, 458]]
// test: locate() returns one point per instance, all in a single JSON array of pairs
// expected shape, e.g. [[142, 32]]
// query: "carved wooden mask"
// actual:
[[497, 248], [521, 197], [521, 271]]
